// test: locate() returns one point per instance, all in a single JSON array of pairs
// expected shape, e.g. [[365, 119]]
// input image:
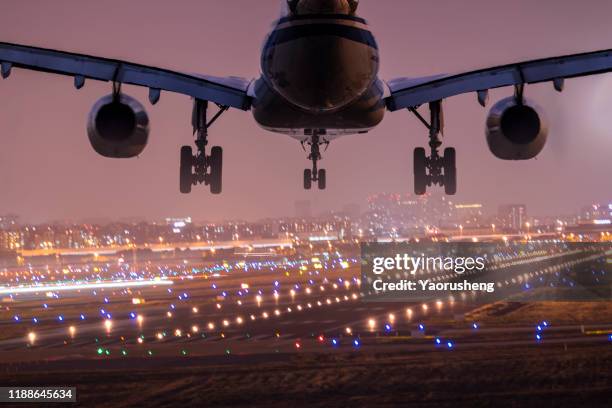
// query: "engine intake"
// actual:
[[516, 131], [118, 127]]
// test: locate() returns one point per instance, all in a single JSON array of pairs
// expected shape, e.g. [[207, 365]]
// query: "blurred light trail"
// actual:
[[84, 285]]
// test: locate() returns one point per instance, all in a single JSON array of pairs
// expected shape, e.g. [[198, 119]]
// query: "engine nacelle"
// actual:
[[516, 131], [118, 127]]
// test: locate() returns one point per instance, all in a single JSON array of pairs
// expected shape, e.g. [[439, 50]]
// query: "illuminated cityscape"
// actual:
[[386, 216], [306, 203], [179, 288]]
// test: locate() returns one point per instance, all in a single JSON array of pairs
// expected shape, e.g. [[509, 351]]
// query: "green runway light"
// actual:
[[100, 350]]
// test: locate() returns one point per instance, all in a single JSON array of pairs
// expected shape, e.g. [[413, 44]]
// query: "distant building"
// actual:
[[597, 214], [469, 215], [512, 216], [395, 214], [178, 224], [8, 221]]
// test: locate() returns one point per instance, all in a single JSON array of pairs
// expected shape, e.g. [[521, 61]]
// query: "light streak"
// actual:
[[81, 286]]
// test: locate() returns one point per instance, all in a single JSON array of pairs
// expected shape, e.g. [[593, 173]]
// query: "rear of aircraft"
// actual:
[[320, 57]]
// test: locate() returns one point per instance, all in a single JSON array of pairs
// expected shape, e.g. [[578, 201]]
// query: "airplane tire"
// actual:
[[420, 175], [186, 170], [216, 169], [322, 179], [307, 179], [450, 171]]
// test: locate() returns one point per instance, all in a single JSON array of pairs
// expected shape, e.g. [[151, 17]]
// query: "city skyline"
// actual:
[[488, 210], [303, 209]]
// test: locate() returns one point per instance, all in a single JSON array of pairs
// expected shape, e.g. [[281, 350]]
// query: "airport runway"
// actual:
[[244, 310]]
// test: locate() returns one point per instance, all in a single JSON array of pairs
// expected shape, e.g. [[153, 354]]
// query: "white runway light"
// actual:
[[84, 285]]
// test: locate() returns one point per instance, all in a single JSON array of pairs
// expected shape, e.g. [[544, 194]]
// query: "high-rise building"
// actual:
[[512, 216]]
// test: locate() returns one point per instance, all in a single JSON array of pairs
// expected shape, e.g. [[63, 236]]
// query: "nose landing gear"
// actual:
[[434, 169], [202, 168], [315, 174]]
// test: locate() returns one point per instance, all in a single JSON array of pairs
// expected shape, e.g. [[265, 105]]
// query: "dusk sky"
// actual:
[[48, 170]]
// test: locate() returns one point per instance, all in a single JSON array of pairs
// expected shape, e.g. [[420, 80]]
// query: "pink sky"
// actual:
[[49, 171]]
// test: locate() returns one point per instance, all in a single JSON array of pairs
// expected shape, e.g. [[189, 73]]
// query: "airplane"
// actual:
[[319, 81]]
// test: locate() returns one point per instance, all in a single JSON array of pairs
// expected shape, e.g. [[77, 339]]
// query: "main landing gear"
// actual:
[[434, 169], [314, 174], [201, 168]]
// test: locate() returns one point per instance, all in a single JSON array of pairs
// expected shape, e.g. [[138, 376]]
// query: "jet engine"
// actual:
[[516, 131], [118, 126]]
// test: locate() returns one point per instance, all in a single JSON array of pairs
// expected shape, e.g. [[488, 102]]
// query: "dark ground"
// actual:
[[538, 375]]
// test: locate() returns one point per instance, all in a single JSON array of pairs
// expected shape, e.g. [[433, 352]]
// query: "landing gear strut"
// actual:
[[201, 168], [315, 174], [434, 169]]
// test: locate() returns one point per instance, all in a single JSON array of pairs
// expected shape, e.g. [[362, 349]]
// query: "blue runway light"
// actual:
[[335, 342], [475, 325], [35, 320], [539, 328], [60, 318], [16, 318], [387, 327], [438, 341], [450, 344], [356, 343], [538, 337], [610, 337], [45, 305], [82, 317], [421, 327], [132, 315], [545, 323]]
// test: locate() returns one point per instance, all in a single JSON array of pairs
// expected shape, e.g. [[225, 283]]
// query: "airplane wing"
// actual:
[[412, 92], [230, 91]]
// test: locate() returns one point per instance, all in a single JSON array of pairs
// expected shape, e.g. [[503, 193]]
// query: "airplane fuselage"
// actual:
[[319, 73]]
